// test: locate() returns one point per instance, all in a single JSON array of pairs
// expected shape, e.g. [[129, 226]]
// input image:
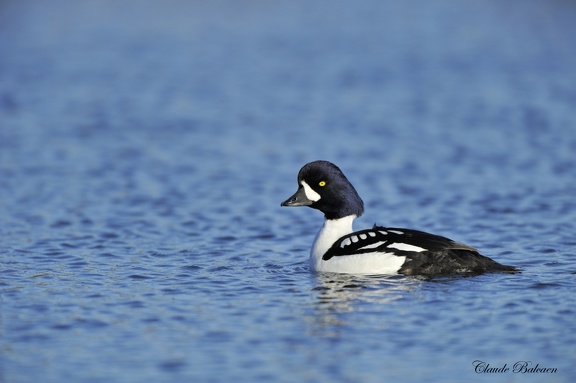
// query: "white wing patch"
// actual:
[[406, 247], [345, 243], [373, 245]]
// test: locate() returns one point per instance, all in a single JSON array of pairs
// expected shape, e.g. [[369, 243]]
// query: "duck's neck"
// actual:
[[331, 231]]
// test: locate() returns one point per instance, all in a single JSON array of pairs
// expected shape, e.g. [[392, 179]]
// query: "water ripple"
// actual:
[[141, 237]]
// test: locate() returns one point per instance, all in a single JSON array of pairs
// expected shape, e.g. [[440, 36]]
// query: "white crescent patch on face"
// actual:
[[310, 193]]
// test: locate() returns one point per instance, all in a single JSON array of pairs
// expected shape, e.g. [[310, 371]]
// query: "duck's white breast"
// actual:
[[368, 263]]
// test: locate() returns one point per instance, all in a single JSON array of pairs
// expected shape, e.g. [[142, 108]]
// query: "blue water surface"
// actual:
[[145, 148]]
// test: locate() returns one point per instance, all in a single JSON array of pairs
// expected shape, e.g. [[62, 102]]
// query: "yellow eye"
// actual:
[[322, 183]]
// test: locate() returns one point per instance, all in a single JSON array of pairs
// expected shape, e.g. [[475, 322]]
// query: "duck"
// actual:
[[379, 250]]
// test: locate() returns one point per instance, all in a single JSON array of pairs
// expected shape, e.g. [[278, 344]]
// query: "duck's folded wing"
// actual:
[[426, 254], [391, 240]]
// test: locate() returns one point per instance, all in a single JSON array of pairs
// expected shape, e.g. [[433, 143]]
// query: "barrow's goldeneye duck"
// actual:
[[380, 250]]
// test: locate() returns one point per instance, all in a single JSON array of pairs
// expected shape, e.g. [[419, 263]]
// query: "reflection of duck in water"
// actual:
[[339, 294], [345, 290], [379, 250]]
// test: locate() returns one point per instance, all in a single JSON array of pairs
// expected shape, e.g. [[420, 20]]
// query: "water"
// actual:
[[145, 149]]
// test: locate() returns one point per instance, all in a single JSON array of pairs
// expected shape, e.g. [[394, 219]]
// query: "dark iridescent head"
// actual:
[[323, 186]]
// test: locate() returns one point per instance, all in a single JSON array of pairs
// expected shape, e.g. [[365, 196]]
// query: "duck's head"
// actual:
[[323, 186]]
